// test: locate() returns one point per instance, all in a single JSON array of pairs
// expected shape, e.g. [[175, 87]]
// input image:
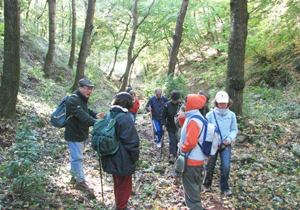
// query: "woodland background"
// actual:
[[132, 42]]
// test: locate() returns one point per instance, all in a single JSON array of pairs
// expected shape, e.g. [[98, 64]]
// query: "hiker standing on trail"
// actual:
[[133, 111], [167, 121], [122, 164], [227, 124], [191, 128], [155, 105], [77, 131], [204, 110]]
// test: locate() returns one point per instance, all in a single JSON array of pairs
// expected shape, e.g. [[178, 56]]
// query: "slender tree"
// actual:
[[51, 48], [177, 37], [85, 44], [73, 45], [11, 66], [235, 82], [130, 57], [117, 46]]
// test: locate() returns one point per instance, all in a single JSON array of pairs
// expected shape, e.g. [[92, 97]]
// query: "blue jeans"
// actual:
[[159, 132], [76, 153], [225, 169], [133, 116]]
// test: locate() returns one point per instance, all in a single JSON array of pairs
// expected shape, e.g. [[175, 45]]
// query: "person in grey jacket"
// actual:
[[227, 123], [77, 131]]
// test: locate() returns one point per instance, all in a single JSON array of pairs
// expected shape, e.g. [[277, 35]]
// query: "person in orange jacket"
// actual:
[[133, 111], [188, 145]]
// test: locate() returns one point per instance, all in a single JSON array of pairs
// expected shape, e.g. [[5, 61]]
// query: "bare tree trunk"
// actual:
[[73, 45], [11, 66], [86, 39], [51, 48], [131, 58], [235, 82], [177, 37], [117, 47]]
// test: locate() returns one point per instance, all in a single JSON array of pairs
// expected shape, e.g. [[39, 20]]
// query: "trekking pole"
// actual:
[[152, 125], [101, 179], [162, 145]]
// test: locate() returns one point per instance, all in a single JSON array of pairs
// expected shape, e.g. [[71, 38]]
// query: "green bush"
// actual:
[[21, 169]]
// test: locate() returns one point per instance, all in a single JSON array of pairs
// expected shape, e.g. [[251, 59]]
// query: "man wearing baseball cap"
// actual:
[[77, 131]]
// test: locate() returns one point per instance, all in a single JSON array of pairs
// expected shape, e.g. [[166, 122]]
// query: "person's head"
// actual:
[[128, 89], [222, 100], [132, 93], [124, 100], [175, 95], [158, 92], [205, 93], [85, 87], [195, 101]]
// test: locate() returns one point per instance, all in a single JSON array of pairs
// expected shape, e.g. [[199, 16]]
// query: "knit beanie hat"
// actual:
[[175, 95]]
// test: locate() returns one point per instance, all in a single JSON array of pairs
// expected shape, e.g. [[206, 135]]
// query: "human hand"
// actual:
[[226, 142], [181, 114], [149, 108], [164, 127], [100, 115]]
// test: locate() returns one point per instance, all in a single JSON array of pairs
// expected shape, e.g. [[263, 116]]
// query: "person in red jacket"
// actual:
[[133, 111]]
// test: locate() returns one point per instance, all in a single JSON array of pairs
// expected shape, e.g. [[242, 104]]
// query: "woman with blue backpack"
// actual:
[[227, 124]]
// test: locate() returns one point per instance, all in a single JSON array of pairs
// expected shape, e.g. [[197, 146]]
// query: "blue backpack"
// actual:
[[59, 117], [104, 137], [209, 137]]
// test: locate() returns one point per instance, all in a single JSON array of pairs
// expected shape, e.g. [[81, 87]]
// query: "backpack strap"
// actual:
[[204, 124], [218, 125]]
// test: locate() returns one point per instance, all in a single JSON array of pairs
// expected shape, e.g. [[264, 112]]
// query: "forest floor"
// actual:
[[264, 170]]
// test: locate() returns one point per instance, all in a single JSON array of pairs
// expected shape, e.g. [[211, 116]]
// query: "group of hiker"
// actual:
[[172, 116]]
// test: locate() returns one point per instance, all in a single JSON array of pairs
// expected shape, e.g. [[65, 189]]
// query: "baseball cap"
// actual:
[[222, 97], [85, 82]]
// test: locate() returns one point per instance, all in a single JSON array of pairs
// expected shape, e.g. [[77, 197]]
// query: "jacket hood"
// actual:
[[195, 101]]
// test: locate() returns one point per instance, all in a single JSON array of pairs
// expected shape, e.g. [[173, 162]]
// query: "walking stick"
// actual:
[[101, 179], [162, 146], [152, 125]]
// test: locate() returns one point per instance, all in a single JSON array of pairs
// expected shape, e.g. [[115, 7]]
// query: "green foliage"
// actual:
[[178, 83], [22, 165]]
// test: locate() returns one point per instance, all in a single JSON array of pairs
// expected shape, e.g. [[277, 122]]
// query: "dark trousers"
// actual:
[[122, 190], [173, 143], [192, 181]]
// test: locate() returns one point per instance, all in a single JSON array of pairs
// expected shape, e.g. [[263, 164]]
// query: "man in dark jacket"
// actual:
[[167, 120], [155, 105], [122, 164], [77, 131]]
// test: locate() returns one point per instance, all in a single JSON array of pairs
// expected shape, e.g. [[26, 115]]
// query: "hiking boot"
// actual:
[[82, 186], [171, 159], [227, 192], [158, 145], [73, 181], [206, 189]]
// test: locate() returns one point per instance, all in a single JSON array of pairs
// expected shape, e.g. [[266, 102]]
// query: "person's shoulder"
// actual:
[[165, 98], [231, 113], [73, 98]]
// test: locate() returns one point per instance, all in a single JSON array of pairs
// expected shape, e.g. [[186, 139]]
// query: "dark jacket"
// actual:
[[168, 114], [157, 106], [122, 163], [77, 128]]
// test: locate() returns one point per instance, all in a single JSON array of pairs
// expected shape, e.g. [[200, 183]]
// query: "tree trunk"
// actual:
[[51, 48], [131, 46], [11, 66], [73, 45], [85, 43], [131, 58], [235, 82], [177, 37]]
